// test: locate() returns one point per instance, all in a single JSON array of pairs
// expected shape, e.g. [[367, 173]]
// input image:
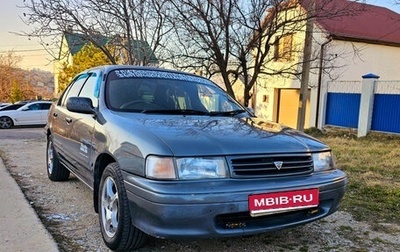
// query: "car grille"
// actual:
[[271, 165]]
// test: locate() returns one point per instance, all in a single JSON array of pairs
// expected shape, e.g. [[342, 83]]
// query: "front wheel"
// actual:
[[115, 221], [6, 122]]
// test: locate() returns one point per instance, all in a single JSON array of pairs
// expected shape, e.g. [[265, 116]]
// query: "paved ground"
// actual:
[[20, 229], [67, 211]]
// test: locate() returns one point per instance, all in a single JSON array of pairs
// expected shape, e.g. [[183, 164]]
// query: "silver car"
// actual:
[[171, 155]]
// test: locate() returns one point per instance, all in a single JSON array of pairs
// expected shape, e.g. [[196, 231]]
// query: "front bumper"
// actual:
[[219, 208]]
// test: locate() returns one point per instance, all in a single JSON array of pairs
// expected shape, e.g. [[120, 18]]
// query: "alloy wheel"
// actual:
[[5, 123], [50, 158], [109, 207]]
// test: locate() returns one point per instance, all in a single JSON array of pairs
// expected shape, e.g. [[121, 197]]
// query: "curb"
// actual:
[[21, 228]]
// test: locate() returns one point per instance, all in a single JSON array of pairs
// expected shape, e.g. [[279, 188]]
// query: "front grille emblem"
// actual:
[[278, 164]]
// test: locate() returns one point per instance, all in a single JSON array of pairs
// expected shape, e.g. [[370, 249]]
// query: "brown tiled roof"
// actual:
[[357, 21]]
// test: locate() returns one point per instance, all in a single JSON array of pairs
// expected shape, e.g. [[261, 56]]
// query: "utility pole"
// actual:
[[305, 74]]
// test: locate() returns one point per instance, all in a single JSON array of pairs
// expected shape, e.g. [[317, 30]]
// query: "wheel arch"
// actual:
[[47, 131], [101, 162]]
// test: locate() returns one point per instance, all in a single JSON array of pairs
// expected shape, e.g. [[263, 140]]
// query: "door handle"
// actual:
[[68, 120]]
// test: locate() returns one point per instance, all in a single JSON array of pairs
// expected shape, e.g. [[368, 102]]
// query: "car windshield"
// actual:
[[152, 91]]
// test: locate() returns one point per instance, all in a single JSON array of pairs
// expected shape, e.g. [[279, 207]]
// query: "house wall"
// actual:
[[357, 59], [268, 100], [343, 61], [64, 57]]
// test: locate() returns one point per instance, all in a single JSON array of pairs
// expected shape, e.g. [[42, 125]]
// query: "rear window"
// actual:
[[12, 107]]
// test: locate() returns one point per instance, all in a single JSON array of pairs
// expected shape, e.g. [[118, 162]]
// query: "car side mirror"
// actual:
[[80, 105]]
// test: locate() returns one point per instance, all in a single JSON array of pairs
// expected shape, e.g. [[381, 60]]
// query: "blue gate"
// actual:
[[386, 113], [343, 109]]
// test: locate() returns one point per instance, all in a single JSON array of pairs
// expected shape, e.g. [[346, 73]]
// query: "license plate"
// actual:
[[277, 202]]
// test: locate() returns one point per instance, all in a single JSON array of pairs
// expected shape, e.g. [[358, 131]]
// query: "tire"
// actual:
[[114, 216], [55, 170], [6, 122]]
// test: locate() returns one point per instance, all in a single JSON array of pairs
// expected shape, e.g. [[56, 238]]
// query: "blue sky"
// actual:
[[390, 4], [34, 56]]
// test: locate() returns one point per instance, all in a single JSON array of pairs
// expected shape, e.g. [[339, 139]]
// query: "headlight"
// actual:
[[186, 168], [199, 168], [323, 161]]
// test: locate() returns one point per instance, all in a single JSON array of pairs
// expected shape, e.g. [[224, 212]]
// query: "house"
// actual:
[[365, 39], [73, 42]]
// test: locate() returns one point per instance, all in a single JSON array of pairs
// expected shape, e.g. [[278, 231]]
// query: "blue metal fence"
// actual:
[[386, 113], [343, 105], [343, 109]]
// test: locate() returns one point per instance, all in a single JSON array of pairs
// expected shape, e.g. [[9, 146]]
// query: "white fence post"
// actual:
[[366, 104]]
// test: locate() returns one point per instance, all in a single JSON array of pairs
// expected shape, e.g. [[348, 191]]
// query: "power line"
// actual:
[[11, 45], [27, 50]]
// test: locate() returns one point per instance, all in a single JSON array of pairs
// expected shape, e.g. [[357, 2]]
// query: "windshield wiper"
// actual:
[[176, 112], [193, 112], [227, 113]]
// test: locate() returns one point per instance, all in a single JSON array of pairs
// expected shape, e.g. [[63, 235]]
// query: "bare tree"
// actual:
[[134, 28], [237, 39]]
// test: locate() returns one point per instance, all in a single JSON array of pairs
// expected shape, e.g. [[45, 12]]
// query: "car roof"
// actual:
[[39, 101]]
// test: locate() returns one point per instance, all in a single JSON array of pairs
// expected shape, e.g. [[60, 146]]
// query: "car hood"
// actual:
[[203, 135]]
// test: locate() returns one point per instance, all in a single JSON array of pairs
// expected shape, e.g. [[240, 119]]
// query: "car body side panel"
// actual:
[[61, 130], [113, 139], [78, 144], [27, 117]]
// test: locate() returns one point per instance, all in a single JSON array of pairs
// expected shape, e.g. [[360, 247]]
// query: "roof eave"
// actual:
[[364, 40]]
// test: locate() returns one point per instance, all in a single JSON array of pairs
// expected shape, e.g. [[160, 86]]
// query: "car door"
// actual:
[[28, 115], [61, 123], [44, 109], [82, 127]]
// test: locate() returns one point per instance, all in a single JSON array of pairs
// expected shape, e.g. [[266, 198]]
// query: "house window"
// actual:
[[284, 48]]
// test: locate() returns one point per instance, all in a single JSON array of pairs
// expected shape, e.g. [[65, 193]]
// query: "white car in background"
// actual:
[[32, 113], [4, 104]]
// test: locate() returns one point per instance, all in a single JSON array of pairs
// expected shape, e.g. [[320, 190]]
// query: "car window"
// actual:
[[148, 91], [35, 106], [12, 107], [213, 101], [63, 95], [74, 88], [45, 106], [89, 89], [157, 94]]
